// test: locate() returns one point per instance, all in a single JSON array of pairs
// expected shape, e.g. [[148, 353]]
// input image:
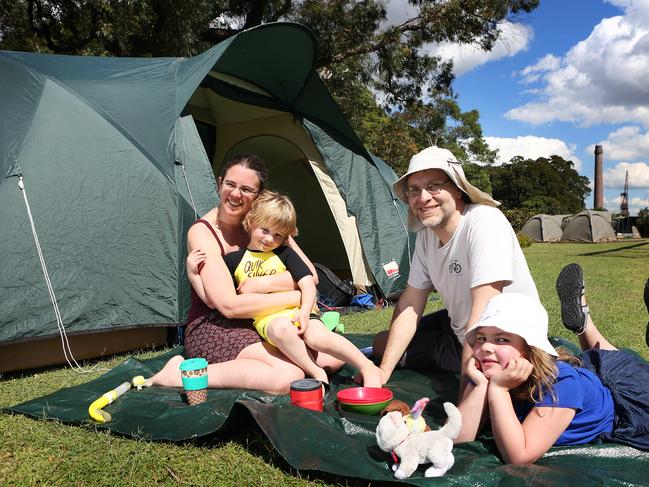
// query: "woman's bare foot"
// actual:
[[169, 375]]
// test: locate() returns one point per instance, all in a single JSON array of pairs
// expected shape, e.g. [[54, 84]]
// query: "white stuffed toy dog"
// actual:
[[393, 435]]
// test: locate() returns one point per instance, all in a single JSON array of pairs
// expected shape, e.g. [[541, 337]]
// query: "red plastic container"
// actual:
[[307, 393]]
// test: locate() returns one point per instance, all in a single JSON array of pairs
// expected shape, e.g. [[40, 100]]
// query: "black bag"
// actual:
[[333, 291]]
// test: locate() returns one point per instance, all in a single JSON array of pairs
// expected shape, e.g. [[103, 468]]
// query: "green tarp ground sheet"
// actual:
[[335, 441]]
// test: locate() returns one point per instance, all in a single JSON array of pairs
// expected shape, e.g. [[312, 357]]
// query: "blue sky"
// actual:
[[569, 75]]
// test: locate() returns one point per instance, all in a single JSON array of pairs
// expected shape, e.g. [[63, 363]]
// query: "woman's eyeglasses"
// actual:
[[433, 187], [244, 190]]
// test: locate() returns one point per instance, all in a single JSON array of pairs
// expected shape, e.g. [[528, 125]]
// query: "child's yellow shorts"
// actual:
[[261, 324]]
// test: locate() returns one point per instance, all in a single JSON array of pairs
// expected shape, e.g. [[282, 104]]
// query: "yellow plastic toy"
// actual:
[[96, 408]]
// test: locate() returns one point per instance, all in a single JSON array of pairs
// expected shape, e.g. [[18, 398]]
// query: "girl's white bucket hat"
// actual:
[[518, 314]]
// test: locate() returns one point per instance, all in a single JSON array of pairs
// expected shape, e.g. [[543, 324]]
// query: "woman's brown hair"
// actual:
[[251, 162]]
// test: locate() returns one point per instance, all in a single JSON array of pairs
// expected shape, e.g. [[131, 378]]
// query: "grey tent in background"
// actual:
[[561, 220], [116, 156], [542, 228], [589, 226]]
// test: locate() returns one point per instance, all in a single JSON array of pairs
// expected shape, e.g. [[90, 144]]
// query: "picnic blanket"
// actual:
[[334, 441]]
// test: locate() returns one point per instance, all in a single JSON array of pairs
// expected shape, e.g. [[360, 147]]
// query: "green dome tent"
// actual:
[[115, 157]]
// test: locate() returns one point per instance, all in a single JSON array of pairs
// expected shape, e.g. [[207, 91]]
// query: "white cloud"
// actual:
[[639, 9], [533, 73], [513, 39], [638, 175], [635, 203], [638, 202], [601, 79], [399, 11], [532, 147], [626, 143]]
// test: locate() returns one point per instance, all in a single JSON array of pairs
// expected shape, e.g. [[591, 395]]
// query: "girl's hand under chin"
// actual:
[[514, 374], [474, 372]]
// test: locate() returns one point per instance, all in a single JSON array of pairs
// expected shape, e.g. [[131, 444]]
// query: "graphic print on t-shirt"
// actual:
[[254, 264]]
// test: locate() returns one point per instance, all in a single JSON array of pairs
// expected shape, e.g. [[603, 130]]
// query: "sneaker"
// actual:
[[570, 288]]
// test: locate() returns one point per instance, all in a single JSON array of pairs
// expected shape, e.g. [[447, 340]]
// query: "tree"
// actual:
[[478, 176], [360, 53], [545, 185], [399, 135], [643, 221]]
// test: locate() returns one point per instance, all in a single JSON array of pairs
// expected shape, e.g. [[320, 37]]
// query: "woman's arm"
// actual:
[[282, 281], [272, 283], [527, 442], [219, 288], [196, 260]]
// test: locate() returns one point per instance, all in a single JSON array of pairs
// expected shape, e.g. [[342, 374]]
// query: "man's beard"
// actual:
[[435, 220]]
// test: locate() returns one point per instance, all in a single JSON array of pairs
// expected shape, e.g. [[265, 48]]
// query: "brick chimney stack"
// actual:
[[599, 186]]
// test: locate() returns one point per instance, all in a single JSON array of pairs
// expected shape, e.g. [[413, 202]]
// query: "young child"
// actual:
[[293, 331], [535, 396]]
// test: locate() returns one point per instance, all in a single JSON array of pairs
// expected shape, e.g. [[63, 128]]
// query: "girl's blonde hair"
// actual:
[[544, 374], [272, 209]]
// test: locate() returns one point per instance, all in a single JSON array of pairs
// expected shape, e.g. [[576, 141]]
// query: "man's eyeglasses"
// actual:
[[244, 190], [433, 187]]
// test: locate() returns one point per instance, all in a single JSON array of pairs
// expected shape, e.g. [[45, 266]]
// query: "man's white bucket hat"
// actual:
[[518, 314], [437, 158]]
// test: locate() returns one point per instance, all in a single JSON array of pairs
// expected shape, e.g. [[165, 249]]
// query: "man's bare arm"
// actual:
[[405, 318]]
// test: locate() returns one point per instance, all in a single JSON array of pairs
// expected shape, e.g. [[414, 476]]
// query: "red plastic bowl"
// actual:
[[364, 400], [364, 395]]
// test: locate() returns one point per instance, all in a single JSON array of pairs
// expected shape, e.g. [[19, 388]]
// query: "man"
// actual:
[[466, 250]]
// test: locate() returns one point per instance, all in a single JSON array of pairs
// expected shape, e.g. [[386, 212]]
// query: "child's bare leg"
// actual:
[[283, 333], [318, 337], [328, 362], [591, 337]]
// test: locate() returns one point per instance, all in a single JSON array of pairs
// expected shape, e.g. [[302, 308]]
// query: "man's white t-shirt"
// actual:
[[483, 249]]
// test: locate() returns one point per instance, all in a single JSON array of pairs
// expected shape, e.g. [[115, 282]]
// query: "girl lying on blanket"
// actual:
[[537, 397]]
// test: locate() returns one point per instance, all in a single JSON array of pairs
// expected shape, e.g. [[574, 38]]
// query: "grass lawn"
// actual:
[[48, 453]]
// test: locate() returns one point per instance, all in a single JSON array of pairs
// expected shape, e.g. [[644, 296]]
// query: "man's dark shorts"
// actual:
[[434, 345]]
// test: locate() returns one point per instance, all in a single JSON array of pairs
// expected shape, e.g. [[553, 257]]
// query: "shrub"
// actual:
[[517, 216], [523, 240]]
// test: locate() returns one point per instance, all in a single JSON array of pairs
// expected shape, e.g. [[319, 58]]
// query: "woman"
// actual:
[[219, 329]]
